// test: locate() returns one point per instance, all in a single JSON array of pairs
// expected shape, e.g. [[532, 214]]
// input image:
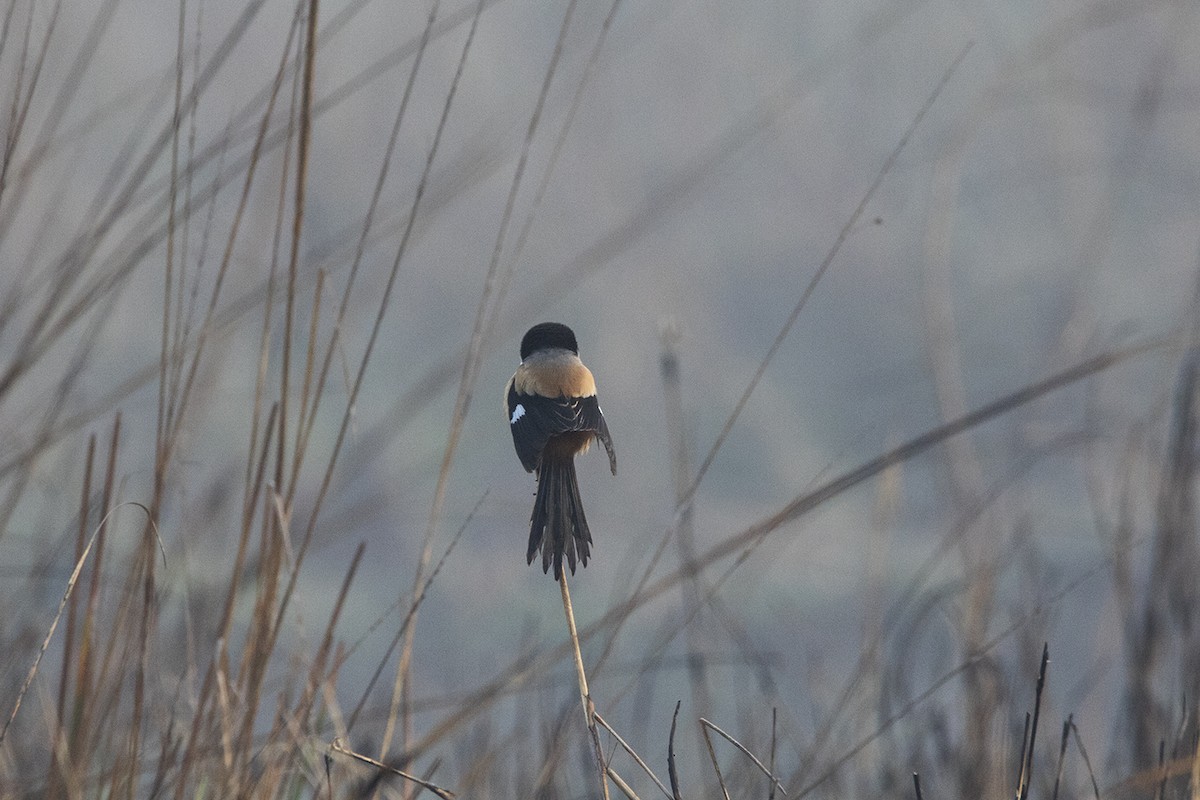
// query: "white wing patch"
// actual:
[[518, 412]]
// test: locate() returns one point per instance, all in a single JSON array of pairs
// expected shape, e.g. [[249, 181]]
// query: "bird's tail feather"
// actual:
[[558, 525]]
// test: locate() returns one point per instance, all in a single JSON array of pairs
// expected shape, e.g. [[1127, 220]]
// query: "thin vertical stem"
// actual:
[[585, 696]]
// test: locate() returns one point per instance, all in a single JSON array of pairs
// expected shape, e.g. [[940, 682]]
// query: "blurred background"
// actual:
[[669, 179]]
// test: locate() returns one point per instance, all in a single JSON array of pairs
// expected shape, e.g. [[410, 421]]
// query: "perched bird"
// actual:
[[554, 415]]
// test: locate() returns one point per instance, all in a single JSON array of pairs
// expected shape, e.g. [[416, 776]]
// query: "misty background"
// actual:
[[1043, 212]]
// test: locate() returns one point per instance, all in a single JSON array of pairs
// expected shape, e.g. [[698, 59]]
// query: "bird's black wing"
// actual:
[[533, 419], [606, 439]]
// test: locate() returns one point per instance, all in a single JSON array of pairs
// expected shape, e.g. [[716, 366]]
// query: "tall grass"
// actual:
[[157, 643]]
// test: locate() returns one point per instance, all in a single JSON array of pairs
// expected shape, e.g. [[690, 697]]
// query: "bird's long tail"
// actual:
[[558, 525]]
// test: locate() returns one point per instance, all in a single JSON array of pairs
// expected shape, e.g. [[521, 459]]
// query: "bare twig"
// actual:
[[762, 767], [336, 747]]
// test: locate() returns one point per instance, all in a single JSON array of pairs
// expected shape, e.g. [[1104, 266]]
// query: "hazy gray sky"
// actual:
[[1043, 212]]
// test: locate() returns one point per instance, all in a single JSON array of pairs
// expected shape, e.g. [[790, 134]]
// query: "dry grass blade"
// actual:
[[1146, 782], [761, 766], [1162, 781], [625, 788], [672, 772], [632, 753], [1062, 756], [69, 636], [774, 716], [63, 604], [1021, 776], [408, 617], [914, 447], [712, 756], [1027, 768], [336, 747], [301, 187]]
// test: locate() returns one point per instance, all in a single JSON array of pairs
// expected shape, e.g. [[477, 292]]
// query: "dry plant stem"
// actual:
[[625, 788], [446, 794], [364, 234], [1062, 756], [317, 670], [632, 753], [1147, 782], [672, 772], [62, 605], [69, 637], [761, 766], [712, 755], [218, 671], [1027, 770], [681, 471], [585, 696], [1021, 777], [21, 110], [408, 617], [774, 719], [1162, 781], [165, 403], [268, 287], [302, 145]]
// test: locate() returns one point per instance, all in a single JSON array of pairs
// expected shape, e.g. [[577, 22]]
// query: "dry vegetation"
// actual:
[[144, 682]]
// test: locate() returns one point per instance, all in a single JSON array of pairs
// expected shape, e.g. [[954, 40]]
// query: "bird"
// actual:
[[554, 415]]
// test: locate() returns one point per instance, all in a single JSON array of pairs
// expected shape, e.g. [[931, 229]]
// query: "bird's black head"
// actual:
[[546, 335]]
